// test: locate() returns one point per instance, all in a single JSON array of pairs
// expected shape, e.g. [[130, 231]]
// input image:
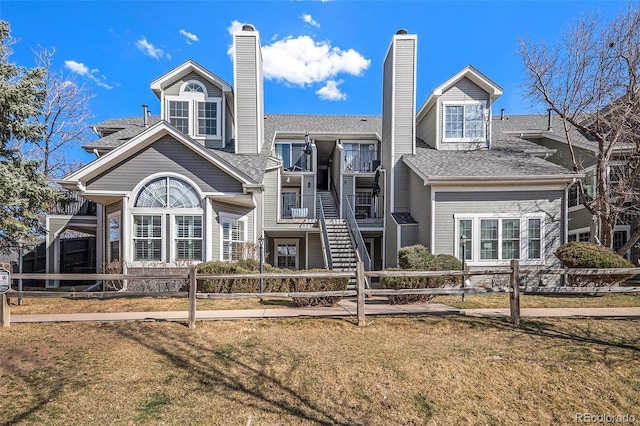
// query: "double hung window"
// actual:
[[233, 237], [194, 112], [287, 254], [464, 122], [499, 238]]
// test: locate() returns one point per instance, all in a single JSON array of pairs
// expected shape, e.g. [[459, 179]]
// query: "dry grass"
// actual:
[[531, 301], [415, 370], [68, 306]]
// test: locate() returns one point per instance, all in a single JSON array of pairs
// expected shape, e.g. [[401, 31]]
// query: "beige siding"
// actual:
[[447, 204], [315, 256], [165, 155], [212, 90]]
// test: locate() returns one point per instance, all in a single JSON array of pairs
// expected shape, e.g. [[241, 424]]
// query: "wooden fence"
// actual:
[[360, 275]]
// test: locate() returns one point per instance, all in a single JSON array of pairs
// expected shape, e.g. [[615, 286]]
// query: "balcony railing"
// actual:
[[293, 157], [294, 206], [362, 161], [74, 204], [366, 206]]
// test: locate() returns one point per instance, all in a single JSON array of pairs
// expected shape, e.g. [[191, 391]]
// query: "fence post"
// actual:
[[5, 311], [514, 296], [360, 280], [193, 286]]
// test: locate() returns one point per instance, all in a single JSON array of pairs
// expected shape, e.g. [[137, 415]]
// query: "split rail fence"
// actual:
[[360, 292]]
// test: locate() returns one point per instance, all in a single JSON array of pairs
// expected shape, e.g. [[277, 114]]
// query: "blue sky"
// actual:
[[323, 57]]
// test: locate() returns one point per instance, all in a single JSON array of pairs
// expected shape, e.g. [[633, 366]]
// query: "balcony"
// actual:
[[364, 160], [368, 209], [73, 204], [293, 157], [295, 206]]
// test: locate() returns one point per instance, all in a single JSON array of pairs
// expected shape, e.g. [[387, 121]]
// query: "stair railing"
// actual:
[[361, 248], [326, 248]]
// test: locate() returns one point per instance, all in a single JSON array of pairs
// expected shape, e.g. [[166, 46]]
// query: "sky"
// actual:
[[320, 57]]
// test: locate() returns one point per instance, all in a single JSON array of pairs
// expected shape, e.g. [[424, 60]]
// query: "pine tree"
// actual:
[[25, 194]]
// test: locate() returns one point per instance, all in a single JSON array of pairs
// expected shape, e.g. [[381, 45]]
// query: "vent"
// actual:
[[402, 32], [247, 27]]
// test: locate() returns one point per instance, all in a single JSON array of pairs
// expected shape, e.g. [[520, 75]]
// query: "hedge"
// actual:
[[271, 285], [418, 258], [588, 255]]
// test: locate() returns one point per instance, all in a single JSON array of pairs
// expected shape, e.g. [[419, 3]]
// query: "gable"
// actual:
[[165, 155], [173, 89], [464, 90]]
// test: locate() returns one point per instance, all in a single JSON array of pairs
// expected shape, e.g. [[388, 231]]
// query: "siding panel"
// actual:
[[212, 90], [165, 155]]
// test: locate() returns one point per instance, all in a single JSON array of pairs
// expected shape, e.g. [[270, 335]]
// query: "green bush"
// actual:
[[589, 255], [418, 258], [271, 285]]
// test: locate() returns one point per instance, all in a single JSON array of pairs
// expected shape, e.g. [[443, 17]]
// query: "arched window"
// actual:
[[193, 87], [167, 209], [168, 192]]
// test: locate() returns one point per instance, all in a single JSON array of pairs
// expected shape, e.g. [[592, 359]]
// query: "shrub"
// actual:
[[418, 258], [271, 285], [589, 255]]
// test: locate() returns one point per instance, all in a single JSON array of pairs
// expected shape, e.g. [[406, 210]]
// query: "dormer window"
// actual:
[[464, 122], [195, 113]]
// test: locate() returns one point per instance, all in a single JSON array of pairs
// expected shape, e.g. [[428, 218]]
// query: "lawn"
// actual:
[[395, 371]]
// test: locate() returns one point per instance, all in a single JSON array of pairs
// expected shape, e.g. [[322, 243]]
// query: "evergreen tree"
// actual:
[[25, 194]]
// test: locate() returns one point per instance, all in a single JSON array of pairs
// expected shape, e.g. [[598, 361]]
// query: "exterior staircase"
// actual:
[[340, 243], [342, 251]]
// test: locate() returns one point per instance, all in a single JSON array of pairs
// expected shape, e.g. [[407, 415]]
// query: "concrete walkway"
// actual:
[[344, 308]]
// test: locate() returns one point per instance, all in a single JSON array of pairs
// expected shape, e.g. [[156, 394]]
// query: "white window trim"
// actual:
[[117, 215], [292, 142], [230, 216], [590, 169], [174, 237], [577, 232], [627, 229], [475, 238], [167, 214], [485, 110], [288, 241], [193, 98]]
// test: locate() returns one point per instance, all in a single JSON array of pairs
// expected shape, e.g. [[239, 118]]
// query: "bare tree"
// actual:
[[64, 116], [591, 80]]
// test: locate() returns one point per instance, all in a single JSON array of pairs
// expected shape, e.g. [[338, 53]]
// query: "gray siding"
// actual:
[[391, 244], [420, 208], [315, 257], [579, 218], [562, 156], [248, 102], [427, 129], [228, 123], [409, 235], [447, 204], [270, 182], [347, 191], [212, 90], [215, 233], [165, 155], [404, 102]]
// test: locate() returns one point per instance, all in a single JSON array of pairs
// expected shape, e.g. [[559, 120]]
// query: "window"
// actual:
[[167, 221], [464, 122], [114, 237], [293, 157], [147, 237], [360, 157], [179, 115], [574, 190], [464, 230], [287, 254], [363, 204], [620, 238], [194, 112], [500, 238], [534, 230], [188, 230], [489, 239], [233, 237], [207, 118]]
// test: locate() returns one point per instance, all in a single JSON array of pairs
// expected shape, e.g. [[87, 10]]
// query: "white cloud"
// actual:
[[232, 29], [83, 71], [301, 61], [189, 37], [309, 20], [149, 49], [330, 91]]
